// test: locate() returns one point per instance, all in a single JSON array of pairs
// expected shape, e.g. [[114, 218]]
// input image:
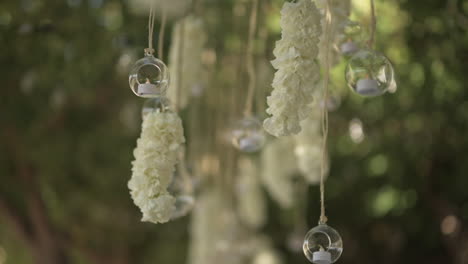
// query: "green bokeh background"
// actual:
[[68, 125]]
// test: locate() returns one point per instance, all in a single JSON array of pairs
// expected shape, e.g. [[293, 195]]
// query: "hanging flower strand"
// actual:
[[156, 155], [297, 70], [161, 137]]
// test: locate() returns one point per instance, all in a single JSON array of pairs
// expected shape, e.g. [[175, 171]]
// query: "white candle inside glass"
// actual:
[[368, 87], [147, 88], [321, 257]]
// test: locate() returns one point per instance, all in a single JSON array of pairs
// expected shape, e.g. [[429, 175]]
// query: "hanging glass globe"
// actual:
[[369, 73], [181, 188], [149, 77], [158, 104], [322, 245], [248, 135], [350, 41]]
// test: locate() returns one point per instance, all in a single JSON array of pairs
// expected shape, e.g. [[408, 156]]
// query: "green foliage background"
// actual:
[[68, 125]]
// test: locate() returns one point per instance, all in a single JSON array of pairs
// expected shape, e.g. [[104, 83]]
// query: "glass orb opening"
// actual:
[[369, 73], [247, 135], [322, 245], [149, 77]]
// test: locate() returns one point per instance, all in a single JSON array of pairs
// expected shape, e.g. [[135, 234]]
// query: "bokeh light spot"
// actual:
[[449, 225], [356, 131]]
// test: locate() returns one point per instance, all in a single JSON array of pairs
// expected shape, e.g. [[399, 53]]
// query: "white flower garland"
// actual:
[[250, 197], [188, 40], [278, 168], [297, 70], [154, 165]]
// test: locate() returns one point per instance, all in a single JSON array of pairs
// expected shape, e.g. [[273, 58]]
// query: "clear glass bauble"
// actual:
[[149, 77], [351, 39], [248, 135], [369, 73], [181, 188], [322, 245], [158, 104]]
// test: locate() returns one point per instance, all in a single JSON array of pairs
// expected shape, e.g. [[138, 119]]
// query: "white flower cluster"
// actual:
[[154, 165], [297, 70], [278, 169], [339, 10], [251, 204], [185, 64]]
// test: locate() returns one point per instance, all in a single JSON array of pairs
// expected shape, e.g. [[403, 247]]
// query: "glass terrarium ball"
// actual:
[[322, 245], [351, 39], [149, 77], [248, 135], [158, 104], [369, 73]]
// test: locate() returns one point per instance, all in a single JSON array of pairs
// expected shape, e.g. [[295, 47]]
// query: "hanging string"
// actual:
[[373, 24], [323, 218], [162, 28], [151, 17], [250, 60], [180, 61]]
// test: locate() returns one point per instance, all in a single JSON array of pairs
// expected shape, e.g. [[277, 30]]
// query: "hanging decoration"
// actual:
[[350, 41], [322, 244], [149, 76], [228, 207], [162, 136], [247, 134], [155, 159], [368, 72], [297, 70]]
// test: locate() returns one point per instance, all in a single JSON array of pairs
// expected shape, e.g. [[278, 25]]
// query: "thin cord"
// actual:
[[180, 62], [250, 60], [373, 24], [328, 18], [161, 34], [150, 50]]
